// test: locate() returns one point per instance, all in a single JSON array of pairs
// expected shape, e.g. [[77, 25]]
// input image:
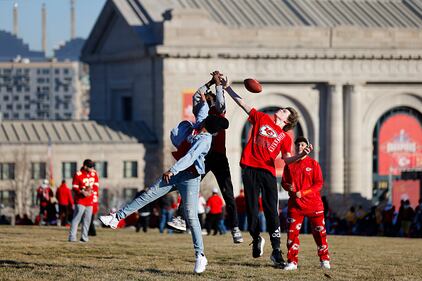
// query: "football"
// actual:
[[252, 85]]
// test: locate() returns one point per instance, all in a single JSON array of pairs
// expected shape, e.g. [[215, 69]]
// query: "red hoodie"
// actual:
[[64, 196], [305, 176]]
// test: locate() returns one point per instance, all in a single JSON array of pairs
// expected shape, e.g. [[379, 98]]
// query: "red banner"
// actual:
[[406, 190], [187, 106], [400, 144]]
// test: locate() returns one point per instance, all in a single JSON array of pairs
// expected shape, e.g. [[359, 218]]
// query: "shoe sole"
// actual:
[[107, 224], [176, 227]]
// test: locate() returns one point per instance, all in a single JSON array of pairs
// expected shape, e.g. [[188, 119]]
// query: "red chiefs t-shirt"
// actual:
[[266, 141], [305, 176], [215, 203], [218, 141], [83, 180]]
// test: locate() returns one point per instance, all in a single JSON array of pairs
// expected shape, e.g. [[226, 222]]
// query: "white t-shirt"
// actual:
[[201, 204]]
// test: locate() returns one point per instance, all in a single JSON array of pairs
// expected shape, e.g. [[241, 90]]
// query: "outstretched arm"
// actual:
[[290, 159], [237, 99]]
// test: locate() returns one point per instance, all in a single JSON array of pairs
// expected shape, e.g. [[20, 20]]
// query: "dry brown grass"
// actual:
[[42, 253]]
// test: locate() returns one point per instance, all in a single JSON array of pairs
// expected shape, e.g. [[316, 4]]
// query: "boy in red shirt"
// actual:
[[303, 180], [268, 138], [83, 186]]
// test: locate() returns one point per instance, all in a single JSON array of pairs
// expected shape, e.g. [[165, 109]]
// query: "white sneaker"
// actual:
[[325, 265], [291, 266], [110, 220], [177, 223], [200, 263]]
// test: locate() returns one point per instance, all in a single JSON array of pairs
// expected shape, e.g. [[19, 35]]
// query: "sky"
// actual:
[[58, 20]]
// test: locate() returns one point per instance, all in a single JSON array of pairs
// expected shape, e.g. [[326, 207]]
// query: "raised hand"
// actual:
[[166, 176]]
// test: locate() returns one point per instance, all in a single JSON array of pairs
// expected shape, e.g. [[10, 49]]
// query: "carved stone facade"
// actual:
[[341, 79]]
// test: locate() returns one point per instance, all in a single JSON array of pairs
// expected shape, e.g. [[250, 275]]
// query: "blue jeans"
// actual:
[[166, 216], [262, 222], [188, 186]]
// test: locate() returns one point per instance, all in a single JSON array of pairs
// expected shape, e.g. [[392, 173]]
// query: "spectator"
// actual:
[[261, 216], [95, 209], [66, 204], [83, 183], [351, 219], [241, 210], [387, 220], [327, 214], [44, 193], [215, 205], [406, 219], [418, 219], [201, 209], [167, 211], [360, 221], [144, 215]]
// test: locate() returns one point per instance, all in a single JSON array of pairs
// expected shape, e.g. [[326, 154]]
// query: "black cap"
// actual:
[[214, 123], [301, 139], [89, 163]]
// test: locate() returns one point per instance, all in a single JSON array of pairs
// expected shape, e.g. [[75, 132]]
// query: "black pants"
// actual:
[[64, 213], [92, 231], [212, 222], [143, 222], [218, 164], [260, 181]]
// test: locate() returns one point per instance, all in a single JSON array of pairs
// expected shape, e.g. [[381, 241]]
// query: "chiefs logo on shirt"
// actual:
[[268, 132], [308, 169]]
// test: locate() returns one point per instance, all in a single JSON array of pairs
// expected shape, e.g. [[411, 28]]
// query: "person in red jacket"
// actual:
[[83, 186], [215, 206], [303, 180], [65, 200]]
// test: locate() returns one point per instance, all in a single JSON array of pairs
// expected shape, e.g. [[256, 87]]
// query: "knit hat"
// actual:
[[89, 163], [301, 139], [214, 123]]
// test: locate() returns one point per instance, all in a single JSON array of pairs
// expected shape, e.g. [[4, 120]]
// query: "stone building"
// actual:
[[39, 88], [345, 65], [32, 151]]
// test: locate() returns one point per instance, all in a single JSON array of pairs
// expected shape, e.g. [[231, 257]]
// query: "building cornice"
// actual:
[[268, 53]]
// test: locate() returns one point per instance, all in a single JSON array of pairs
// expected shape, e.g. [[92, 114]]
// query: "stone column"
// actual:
[[354, 147], [336, 139]]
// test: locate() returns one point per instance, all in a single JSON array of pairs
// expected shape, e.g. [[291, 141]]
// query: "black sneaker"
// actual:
[[277, 258], [237, 235], [258, 247]]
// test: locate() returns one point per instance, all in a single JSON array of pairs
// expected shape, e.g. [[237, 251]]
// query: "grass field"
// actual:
[[42, 253]]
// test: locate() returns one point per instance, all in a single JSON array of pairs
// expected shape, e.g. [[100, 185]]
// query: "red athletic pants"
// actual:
[[294, 222]]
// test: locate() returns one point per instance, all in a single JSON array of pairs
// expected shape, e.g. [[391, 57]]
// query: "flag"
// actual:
[[50, 162]]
